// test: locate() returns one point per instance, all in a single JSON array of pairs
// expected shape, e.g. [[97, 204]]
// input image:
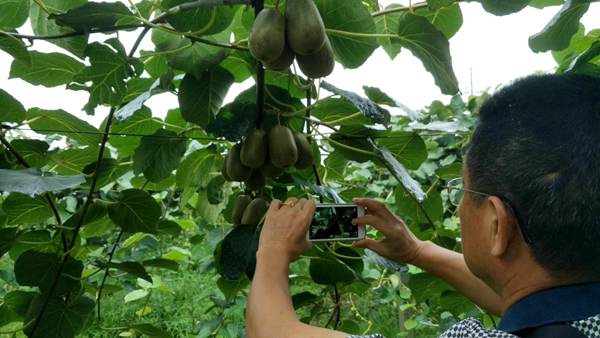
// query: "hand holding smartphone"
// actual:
[[333, 222]]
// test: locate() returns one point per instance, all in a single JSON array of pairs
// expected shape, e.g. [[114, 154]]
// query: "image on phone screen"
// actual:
[[333, 222]]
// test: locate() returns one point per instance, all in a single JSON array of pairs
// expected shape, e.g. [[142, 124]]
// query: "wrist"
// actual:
[[272, 254], [417, 256]]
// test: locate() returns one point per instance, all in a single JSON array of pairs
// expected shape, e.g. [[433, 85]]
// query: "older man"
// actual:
[[530, 223]]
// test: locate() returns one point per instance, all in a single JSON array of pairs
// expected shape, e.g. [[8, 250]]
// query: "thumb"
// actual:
[[367, 243]]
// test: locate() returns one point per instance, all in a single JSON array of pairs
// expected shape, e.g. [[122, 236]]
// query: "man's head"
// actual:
[[537, 145]]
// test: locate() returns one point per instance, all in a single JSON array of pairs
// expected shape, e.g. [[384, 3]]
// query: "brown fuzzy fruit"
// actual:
[[257, 180], [267, 39], [305, 30], [319, 64], [305, 152], [241, 202], [282, 147], [255, 211], [254, 149], [235, 169]]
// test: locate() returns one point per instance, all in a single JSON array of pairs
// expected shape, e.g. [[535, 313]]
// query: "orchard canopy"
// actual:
[[148, 226]]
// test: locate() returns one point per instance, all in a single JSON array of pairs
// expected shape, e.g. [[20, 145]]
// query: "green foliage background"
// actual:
[[125, 229]]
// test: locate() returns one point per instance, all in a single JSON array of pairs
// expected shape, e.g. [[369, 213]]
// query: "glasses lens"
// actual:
[[455, 192]]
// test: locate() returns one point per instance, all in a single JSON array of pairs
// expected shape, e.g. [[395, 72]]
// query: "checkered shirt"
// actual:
[[473, 328]]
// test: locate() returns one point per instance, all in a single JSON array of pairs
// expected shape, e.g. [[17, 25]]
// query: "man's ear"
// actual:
[[503, 228]]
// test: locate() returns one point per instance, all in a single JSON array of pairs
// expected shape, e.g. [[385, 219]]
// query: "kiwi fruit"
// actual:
[[254, 149], [305, 30], [267, 39], [282, 147], [270, 170], [257, 180], [305, 152], [255, 211], [224, 169], [319, 64], [284, 61], [240, 204], [235, 168]]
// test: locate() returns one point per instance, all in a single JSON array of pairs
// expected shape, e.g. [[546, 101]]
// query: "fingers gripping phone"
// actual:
[[333, 222]]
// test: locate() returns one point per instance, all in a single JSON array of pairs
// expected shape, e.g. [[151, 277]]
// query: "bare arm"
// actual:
[[401, 245], [269, 312]]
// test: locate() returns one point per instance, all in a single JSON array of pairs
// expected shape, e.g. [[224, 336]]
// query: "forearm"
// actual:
[[451, 267], [269, 312]]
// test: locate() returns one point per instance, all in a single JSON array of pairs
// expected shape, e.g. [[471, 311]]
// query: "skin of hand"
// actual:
[[285, 227], [399, 243]]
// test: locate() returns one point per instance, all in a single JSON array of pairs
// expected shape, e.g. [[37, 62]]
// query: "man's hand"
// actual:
[[399, 243], [285, 228]]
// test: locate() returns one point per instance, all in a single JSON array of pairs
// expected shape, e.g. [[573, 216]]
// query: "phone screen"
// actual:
[[331, 222]]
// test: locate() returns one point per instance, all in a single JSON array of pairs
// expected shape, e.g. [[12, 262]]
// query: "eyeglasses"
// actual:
[[456, 193]]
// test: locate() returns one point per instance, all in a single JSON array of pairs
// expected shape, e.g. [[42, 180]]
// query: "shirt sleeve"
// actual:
[[470, 328], [377, 335]]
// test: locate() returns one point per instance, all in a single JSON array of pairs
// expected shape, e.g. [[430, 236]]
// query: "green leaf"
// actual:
[[7, 238], [434, 5], [135, 211], [72, 161], [349, 16], [133, 268], [389, 24], [13, 13], [34, 152], [412, 186], [34, 268], [201, 98], [135, 295], [158, 155], [339, 111], [108, 71], [140, 123], [329, 272], [233, 120], [61, 319], [15, 48], [33, 181], [407, 147], [432, 204], [108, 171], [215, 190], [49, 70], [18, 301], [135, 238], [93, 15], [303, 298], [150, 330], [558, 32], [231, 289], [48, 122], [365, 106], [41, 25], [200, 20], [162, 263], [428, 44], [545, 3], [200, 161], [38, 240], [11, 110], [96, 211], [447, 20], [238, 252], [22, 209], [580, 42], [587, 56], [503, 7]]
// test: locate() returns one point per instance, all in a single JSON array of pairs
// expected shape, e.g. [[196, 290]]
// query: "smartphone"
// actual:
[[333, 222]]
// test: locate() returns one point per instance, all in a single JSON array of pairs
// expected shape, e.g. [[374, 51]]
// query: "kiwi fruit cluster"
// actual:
[[276, 40], [261, 155]]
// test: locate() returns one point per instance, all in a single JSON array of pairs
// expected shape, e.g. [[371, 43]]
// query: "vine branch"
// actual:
[[88, 200], [110, 258]]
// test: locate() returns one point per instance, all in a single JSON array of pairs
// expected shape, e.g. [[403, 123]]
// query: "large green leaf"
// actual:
[[49, 70], [22, 209], [72, 161], [61, 319], [34, 152], [135, 211], [41, 25], [201, 98], [203, 161], [432, 208], [93, 15], [545, 3], [18, 302], [200, 20], [133, 268], [108, 71], [329, 272], [338, 111], [558, 32], [238, 252], [38, 240], [234, 120], [48, 122], [11, 110], [34, 268], [447, 20], [13, 13], [579, 43], [588, 55], [503, 7], [399, 171], [389, 25], [428, 44], [367, 107], [32, 181], [140, 123], [15, 48], [158, 155], [7, 239], [348, 16]]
